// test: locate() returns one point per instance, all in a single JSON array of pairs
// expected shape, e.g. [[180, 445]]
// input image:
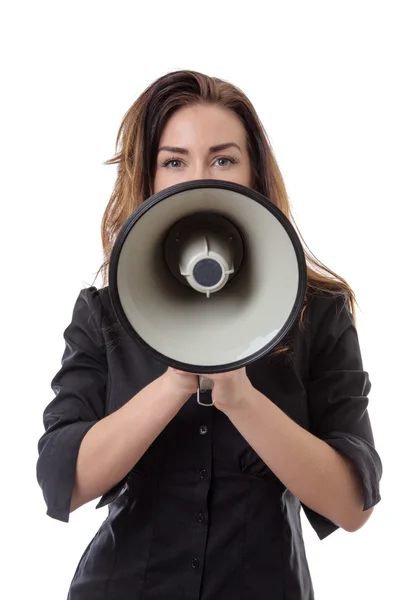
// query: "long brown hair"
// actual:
[[136, 151]]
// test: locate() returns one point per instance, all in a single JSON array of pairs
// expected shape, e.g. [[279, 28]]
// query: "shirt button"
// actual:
[[200, 517], [203, 474], [195, 563], [203, 429]]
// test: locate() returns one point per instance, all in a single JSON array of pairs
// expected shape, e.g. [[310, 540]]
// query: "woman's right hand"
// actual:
[[180, 382]]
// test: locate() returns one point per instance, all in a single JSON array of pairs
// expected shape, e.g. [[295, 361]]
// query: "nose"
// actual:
[[199, 171]]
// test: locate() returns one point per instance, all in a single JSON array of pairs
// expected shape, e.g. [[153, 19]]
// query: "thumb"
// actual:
[[179, 372]]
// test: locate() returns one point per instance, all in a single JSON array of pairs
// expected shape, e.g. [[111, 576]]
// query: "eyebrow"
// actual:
[[212, 149]]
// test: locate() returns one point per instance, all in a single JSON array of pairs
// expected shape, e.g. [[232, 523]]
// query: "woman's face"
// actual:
[[202, 142]]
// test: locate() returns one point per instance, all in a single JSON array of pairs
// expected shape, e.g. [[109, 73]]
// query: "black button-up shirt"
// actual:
[[201, 516]]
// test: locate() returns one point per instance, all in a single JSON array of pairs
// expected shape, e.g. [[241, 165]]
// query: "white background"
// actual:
[[323, 77]]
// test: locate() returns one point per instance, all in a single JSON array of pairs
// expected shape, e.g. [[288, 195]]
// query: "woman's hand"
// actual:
[[181, 383], [230, 389]]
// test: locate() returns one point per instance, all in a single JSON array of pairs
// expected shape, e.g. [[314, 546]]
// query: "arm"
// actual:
[[112, 447], [313, 471], [84, 451], [333, 468]]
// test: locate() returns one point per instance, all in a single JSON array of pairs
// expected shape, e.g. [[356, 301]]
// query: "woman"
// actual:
[[205, 502]]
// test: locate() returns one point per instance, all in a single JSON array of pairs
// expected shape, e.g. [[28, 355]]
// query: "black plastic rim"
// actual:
[[183, 187]]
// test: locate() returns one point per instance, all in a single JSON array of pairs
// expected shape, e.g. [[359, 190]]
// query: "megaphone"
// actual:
[[208, 276]]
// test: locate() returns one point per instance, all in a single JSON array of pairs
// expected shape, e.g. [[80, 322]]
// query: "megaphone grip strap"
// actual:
[[205, 385]]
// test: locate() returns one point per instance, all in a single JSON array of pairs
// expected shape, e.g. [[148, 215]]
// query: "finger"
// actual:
[[214, 375], [178, 372]]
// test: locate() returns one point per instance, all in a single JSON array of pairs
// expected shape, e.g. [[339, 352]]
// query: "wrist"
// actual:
[[242, 403], [171, 391]]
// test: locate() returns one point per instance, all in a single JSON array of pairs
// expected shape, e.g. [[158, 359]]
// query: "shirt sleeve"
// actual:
[[80, 389], [337, 391]]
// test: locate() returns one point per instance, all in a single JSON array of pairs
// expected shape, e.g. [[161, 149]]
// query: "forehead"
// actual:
[[205, 125]]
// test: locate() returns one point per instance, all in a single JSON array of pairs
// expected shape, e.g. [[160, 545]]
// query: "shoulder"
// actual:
[[324, 306], [94, 301], [327, 316], [91, 311], [88, 304]]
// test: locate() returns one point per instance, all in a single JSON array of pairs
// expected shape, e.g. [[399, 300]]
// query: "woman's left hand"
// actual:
[[230, 389]]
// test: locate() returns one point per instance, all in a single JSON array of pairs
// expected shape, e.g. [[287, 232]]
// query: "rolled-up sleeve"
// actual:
[[337, 391], [80, 388]]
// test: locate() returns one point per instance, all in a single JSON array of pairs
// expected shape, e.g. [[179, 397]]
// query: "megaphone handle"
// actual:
[[205, 384]]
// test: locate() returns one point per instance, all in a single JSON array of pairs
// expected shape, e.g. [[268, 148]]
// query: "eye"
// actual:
[[230, 159], [171, 162]]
